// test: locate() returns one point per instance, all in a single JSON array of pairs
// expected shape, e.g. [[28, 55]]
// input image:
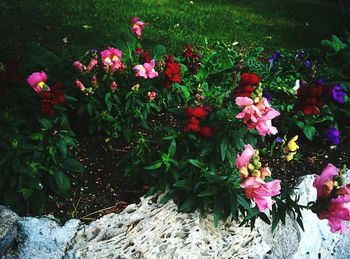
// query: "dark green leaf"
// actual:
[[195, 162], [73, 165], [154, 166], [309, 132]]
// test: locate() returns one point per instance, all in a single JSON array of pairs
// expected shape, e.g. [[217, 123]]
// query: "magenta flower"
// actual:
[[261, 192], [243, 159], [79, 66], [333, 202], [37, 81], [112, 60], [137, 26], [257, 115], [146, 70]]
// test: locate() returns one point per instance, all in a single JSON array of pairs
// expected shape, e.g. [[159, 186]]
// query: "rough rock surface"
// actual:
[[43, 238], [153, 230], [8, 229]]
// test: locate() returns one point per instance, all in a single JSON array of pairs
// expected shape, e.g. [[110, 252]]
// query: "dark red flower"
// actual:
[[192, 125], [311, 98], [146, 57], [206, 132], [57, 94], [246, 85], [46, 108], [138, 51], [172, 72], [192, 59], [198, 112]]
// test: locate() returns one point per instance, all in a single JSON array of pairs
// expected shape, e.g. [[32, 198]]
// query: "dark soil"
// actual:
[[102, 189]]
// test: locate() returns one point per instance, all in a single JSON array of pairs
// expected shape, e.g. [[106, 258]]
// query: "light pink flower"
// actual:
[[258, 115], [243, 159], [146, 70], [113, 86], [79, 66], [137, 26], [152, 96], [112, 60], [79, 85], [37, 81], [261, 192], [91, 66]]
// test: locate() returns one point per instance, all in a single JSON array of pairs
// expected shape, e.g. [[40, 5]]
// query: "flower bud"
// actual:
[[256, 173], [113, 86], [243, 171], [251, 167]]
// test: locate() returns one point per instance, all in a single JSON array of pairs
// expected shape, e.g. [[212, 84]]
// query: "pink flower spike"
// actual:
[[112, 59], [91, 66], [79, 85], [243, 159], [79, 66], [137, 26], [37, 81], [261, 192], [146, 70]]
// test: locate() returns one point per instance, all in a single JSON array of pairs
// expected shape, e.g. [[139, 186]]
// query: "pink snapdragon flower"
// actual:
[[94, 81], [261, 192], [113, 86], [92, 65], [79, 85], [257, 115], [79, 66], [112, 60], [151, 96], [244, 159], [146, 70], [137, 26], [334, 200], [37, 81]]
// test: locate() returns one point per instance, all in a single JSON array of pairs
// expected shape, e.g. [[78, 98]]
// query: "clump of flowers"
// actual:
[[172, 72], [253, 175], [146, 70], [49, 96], [333, 198], [311, 98], [257, 115], [194, 118], [333, 135], [137, 26], [192, 59]]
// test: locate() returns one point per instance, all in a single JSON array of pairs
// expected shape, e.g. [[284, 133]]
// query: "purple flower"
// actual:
[[279, 139], [267, 95], [333, 135], [307, 63], [274, 57], [338, 94], [320, 81]]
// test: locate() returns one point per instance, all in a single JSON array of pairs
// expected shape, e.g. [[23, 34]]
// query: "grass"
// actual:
[[95, 23]]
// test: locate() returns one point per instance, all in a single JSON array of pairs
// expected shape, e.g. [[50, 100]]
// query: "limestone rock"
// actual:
[[8, 229]]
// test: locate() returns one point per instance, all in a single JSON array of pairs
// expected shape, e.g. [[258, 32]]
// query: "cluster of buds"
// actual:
[[257, 94], [135, 87], [199, 98], [254, 168]]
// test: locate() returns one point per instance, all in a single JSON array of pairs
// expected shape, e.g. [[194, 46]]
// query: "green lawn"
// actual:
[[95, 23]]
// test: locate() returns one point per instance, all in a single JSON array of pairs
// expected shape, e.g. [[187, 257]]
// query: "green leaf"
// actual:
[[195, 162], [159, 51], [243, 202], [187, 205], [62, 182], [108, 101], [154, 166], [300, 124], [63, 148], [207, 193], [309, 132], [156, 107], [172, 148], [36, 136], [46, 123], [73, 165], [185, 91], [335, 43], [223, 149]]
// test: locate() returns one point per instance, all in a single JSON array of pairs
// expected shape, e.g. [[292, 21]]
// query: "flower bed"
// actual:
[[200, 126]]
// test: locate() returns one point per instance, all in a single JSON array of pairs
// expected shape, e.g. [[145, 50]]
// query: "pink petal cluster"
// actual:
[[261, 192], [137, 26], [338, 209], [92, 65], [244, 159], [37, 81], [79, 66], [112, 60], [151, 96], [80, 85], [146, 70], [113, 86], [257, 115]]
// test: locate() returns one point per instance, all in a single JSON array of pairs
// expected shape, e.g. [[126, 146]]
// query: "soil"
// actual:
[[102, 189]]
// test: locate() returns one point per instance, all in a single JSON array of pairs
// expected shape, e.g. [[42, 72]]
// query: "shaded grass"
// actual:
[[95, 23]]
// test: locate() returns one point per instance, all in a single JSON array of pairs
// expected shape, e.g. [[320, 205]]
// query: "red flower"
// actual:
[[57, 94], [146, 57], [206, 132], [46, 108], [192, 125], [198, 112], [172, 71], [311, 98], [246, 85]]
